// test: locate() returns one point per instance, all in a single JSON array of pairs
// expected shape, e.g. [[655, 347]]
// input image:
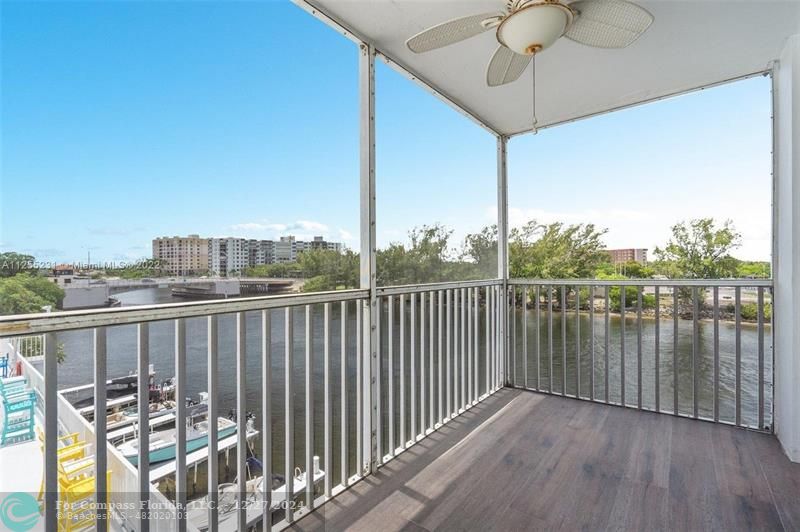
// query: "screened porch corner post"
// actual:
[[786, 244], [502, 254], [368, 251]]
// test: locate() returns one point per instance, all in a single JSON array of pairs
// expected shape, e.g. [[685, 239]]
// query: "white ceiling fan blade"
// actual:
[[608, 23], [452, 32], [506, 66]]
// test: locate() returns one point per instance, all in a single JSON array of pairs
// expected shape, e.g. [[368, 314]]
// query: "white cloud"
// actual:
[[345, 235], [301, 229]]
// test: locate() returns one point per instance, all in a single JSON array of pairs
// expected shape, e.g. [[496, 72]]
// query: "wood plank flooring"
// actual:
[[525, 461]]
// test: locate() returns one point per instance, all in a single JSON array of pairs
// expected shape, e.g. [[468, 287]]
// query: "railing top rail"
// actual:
[[706, 283], [26, 324], [426, 287]]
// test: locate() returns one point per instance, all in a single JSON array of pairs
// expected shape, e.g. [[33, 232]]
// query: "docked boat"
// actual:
[[197, 511], [163, 443]]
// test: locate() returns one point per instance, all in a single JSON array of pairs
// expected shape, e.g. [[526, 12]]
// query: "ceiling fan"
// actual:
[[528, 27]]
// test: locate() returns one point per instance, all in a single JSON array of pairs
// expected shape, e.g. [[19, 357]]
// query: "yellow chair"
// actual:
[[70, 446], [75, 510]]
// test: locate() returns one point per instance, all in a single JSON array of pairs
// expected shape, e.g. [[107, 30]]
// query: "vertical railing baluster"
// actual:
[[462, 367], [525, 336], [591, 341], [538, 339], [143, 404], [266, 412], [359, 390], [390, 372], [761, 357], [422, 386], [563, 340], [51, 511], [658, 350], [487, 328], [413, 360], [607, 340], [675, 368], [327, 399], [431, 381], [716, 353], [439, 330], [289, 413], [213, 413], [403, 437], [476, 341], [180, 424], [550, 334], [695, 349], [513, 335], [469, 348], [738, 349], [456, 329], [578, 342], [493, 336], [241, 419], [344, 431], [309, 382], [639, 347], [379, 381], [100, 441], [622, 305], [449, 354]]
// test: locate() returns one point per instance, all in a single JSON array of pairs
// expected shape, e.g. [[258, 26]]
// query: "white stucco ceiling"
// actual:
[[691, 44]]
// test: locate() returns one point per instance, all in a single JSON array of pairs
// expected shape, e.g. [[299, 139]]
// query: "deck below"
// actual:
[[522, 460]]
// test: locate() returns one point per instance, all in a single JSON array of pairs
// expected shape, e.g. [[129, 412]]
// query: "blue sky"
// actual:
[[130, 120]]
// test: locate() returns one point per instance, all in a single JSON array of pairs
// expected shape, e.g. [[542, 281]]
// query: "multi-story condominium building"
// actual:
[[261, 252], [228, 256], [182, 255], [621, 256], [193, 255], [288, 247]]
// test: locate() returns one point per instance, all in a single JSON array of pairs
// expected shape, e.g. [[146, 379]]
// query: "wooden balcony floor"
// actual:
[[522, 460]]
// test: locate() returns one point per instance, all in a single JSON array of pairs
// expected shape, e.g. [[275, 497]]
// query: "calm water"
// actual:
[[77, 368]]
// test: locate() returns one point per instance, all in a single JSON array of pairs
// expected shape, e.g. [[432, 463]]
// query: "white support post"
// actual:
[[502, 250], [786, 206], [368, 251]]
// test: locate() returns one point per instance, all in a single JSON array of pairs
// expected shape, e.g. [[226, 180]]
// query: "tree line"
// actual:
[[697, 249]]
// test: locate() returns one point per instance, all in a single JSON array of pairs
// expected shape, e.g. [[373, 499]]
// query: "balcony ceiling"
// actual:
[[690, 45]]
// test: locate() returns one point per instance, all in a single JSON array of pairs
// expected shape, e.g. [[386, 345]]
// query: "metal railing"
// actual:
[[694, 348], [439, 353], [310, 353]]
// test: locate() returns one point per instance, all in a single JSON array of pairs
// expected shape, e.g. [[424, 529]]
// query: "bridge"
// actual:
[[198, 286]]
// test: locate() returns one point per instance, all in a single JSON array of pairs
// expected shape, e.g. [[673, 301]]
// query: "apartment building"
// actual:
[[182, 255], [228, 256], [621, 256]]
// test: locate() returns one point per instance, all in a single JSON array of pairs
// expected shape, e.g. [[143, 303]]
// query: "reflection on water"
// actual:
[[582, 329]]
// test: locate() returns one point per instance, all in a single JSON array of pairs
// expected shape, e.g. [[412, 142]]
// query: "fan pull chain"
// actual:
[[534, 128]]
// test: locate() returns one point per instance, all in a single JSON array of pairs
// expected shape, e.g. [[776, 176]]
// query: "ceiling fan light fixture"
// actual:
[[535, 27]]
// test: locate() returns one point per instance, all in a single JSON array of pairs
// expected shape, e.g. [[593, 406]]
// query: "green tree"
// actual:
[[25, 294], [427, 258], [555, 251], [12, 263], [701, 250], [480, 250], [753, 269]]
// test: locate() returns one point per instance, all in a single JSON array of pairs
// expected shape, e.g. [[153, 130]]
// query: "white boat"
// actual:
[[130, 415], [197, 511], [162, 443]]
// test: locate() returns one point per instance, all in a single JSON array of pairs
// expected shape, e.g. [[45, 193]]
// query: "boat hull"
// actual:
[[167, 452]]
